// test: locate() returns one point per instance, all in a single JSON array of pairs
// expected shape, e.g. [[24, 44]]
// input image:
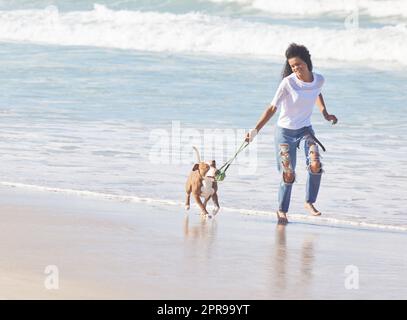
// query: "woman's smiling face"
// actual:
[[299, 67]]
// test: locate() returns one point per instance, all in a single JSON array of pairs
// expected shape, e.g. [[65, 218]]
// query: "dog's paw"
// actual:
[[187, 207], [204, 214], [215, 210]]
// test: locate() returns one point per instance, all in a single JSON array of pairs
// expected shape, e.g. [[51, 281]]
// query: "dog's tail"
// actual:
[[197, 154]]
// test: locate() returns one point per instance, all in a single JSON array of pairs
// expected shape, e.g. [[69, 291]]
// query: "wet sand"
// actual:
[[119, 250]]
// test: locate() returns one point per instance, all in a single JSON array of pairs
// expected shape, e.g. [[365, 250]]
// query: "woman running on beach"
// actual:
[[296, 96]]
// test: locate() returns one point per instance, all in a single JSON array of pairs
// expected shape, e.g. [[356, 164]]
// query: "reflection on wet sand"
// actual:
[[203, 229], [284, 277], [200, 235], [280, 257], [307, 260], [285, 272]]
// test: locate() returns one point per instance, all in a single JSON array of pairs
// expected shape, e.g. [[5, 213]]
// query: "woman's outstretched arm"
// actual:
[[321, 105], [265, 117]]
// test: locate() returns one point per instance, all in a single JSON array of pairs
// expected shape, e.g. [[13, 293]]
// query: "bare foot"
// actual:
[[281, 217], [312, 209]]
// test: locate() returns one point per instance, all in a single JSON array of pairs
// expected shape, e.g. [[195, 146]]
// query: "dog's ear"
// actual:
[[213, 163], [195, 167]]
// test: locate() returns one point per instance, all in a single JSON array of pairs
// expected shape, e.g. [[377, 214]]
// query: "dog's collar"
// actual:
[[204, 177]]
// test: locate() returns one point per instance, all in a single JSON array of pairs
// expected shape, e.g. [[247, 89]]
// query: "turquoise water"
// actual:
[[87, 114]]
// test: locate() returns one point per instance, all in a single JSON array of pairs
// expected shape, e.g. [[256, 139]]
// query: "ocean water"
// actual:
[[106, 99]]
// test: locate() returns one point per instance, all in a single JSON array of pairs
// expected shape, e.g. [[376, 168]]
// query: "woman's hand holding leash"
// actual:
[[251, 135], [265, 117]]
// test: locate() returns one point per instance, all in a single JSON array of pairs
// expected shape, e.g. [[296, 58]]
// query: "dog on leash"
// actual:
[[201, 183]]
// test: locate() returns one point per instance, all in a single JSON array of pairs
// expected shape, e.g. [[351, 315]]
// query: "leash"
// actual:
[[221, 173], [314, 138], [317, 141]]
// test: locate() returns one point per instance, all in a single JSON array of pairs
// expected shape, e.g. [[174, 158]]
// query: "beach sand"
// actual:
[[105, 249]]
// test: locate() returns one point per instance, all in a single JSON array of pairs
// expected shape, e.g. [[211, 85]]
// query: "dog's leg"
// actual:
[[187, 202], [188, 191], [216, 202], [200, 204], [206, 201]]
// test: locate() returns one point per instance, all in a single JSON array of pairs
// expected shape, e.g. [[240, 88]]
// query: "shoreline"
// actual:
[[306, 219]]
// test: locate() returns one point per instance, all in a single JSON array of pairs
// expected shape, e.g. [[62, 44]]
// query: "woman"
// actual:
[[296, 96]]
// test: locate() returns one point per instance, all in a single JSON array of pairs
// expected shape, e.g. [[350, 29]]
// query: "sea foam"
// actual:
[[198, 33], [372, 8]]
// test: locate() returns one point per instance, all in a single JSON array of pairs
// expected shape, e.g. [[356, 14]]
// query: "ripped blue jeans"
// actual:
[[286, 143]]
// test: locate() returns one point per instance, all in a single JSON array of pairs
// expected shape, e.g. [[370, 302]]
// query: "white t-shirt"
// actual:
[[295, 99]]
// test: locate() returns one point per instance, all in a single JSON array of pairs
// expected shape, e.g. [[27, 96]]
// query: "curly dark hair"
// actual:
[[296, 50]]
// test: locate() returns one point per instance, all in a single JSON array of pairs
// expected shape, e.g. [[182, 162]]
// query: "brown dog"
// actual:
[[201, 183]]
